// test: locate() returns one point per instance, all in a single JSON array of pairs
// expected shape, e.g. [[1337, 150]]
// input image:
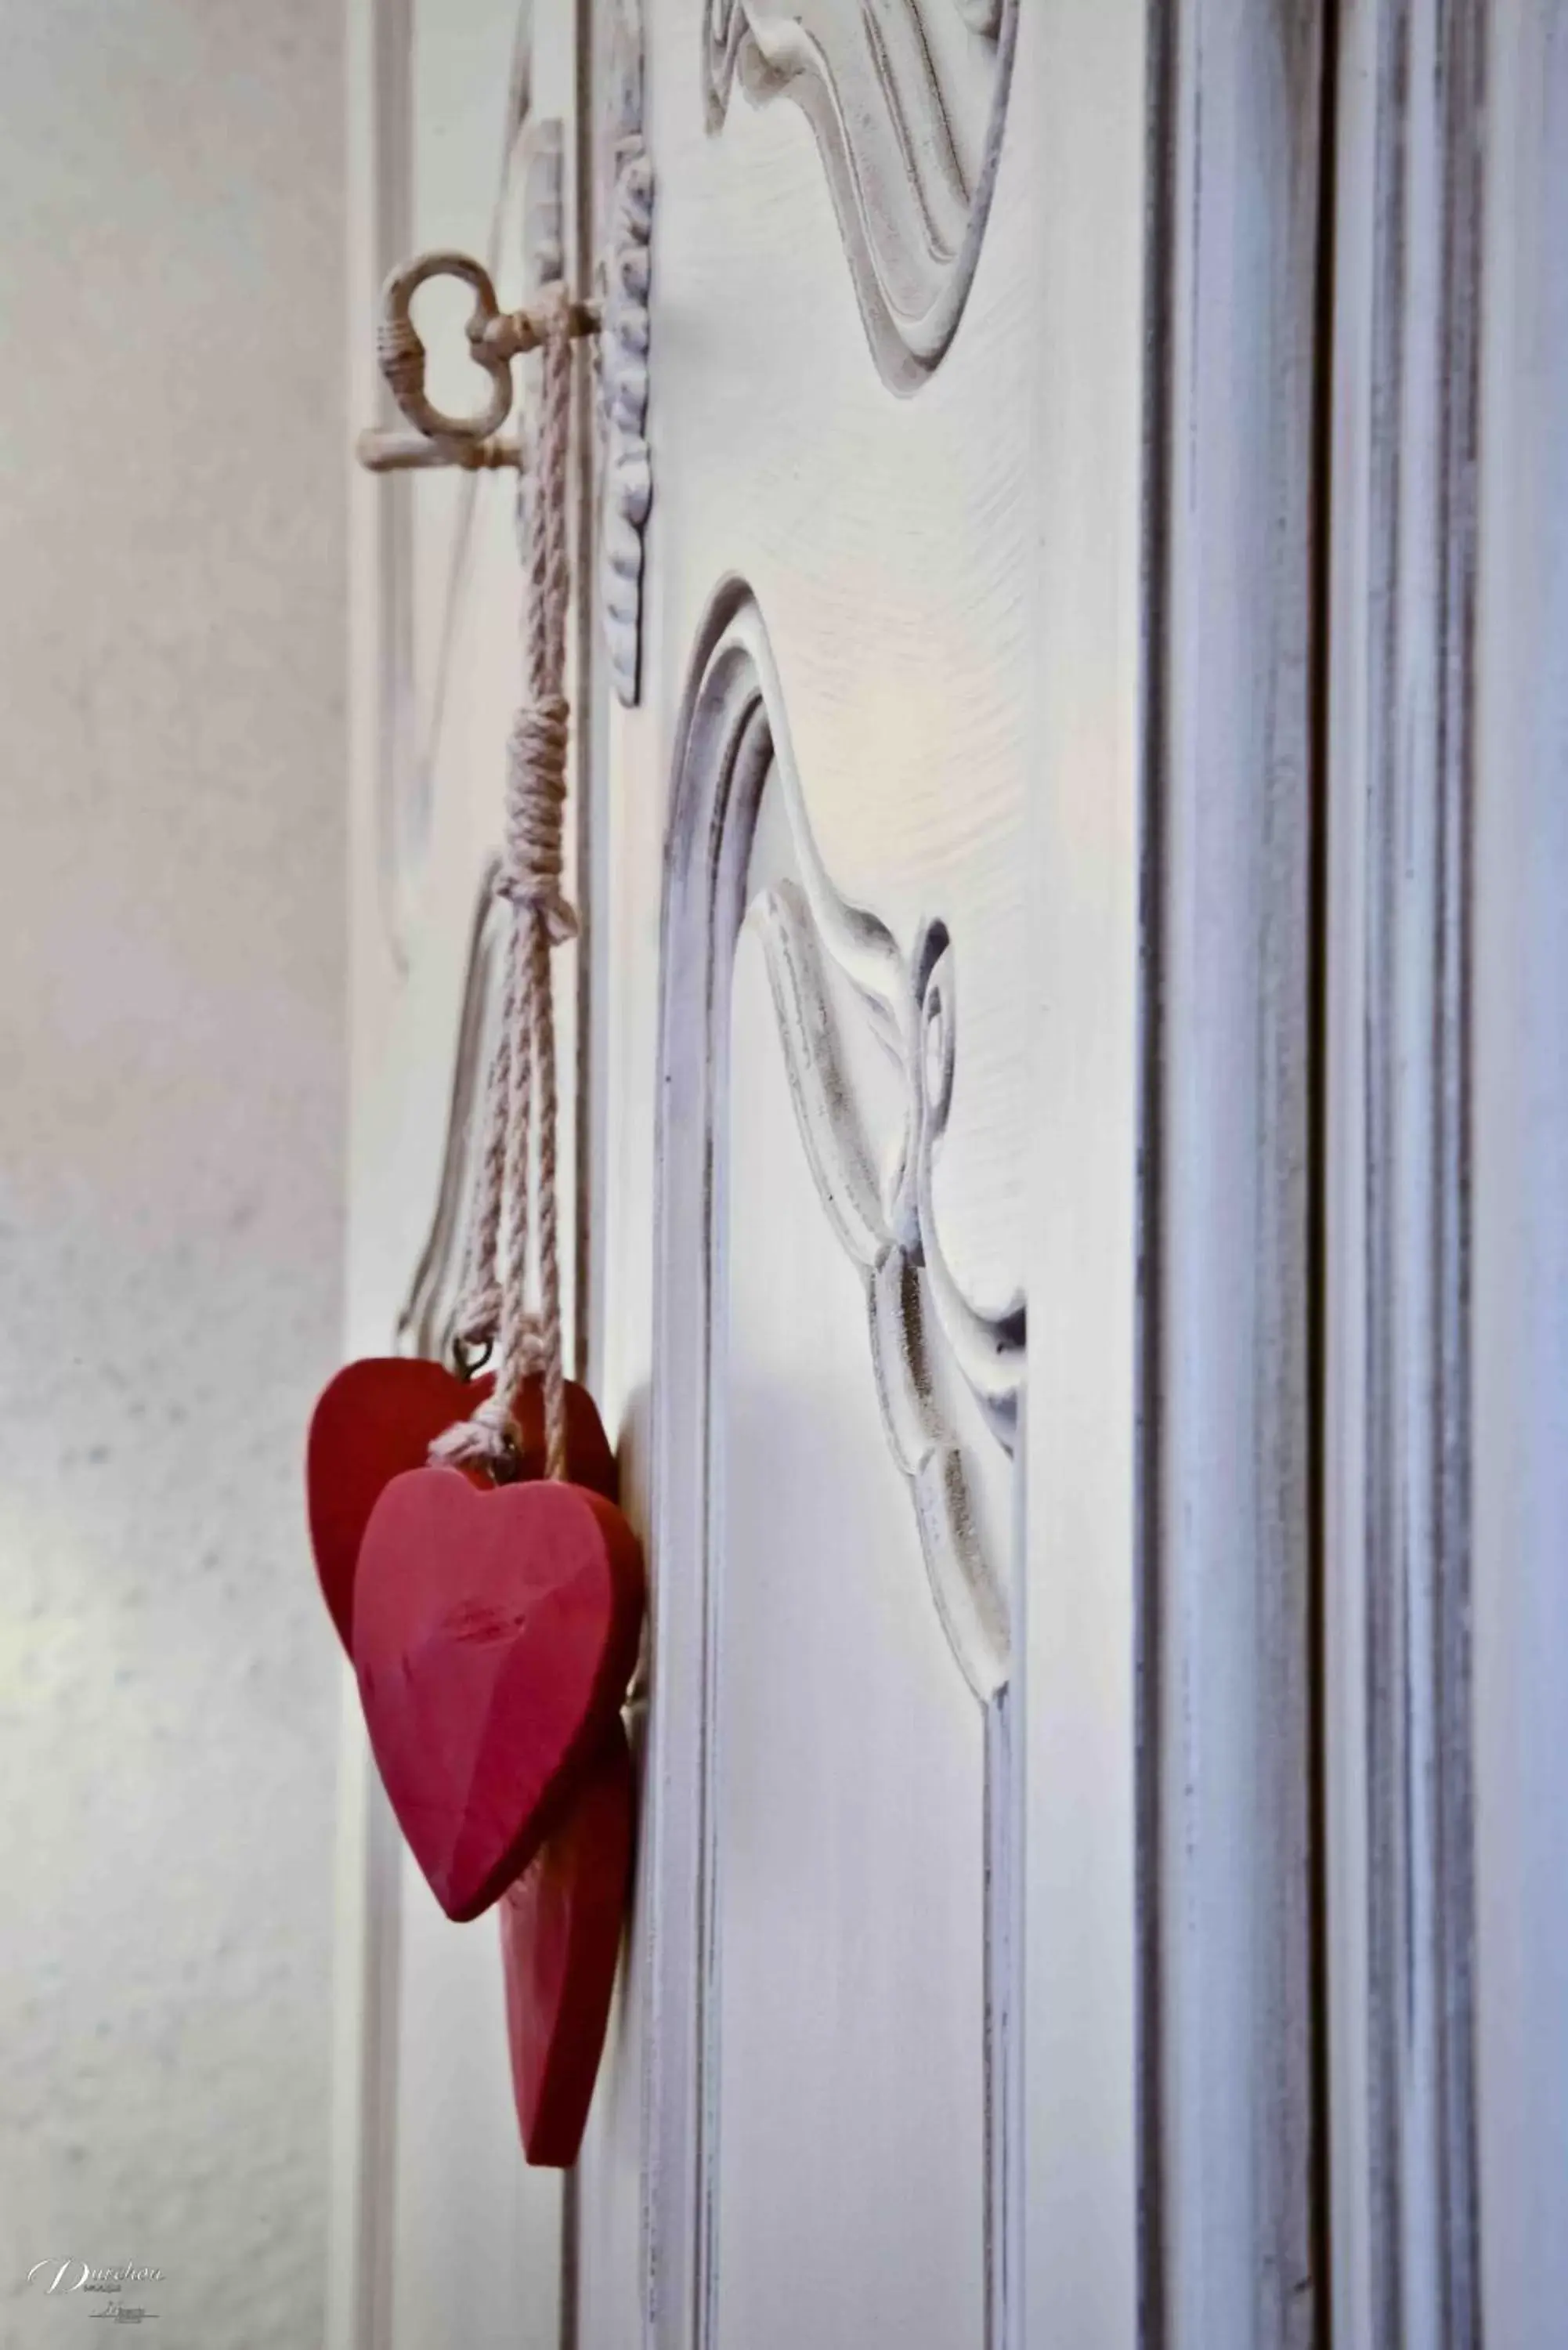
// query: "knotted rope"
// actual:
[[515, 1204]]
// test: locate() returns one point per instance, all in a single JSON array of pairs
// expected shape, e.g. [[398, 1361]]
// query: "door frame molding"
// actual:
[[1228, 2235], [1401, 818]]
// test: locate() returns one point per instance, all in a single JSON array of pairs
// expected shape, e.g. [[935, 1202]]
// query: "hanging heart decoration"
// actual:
[[494, 1634], [490, 1591], [560, 1942], [380, 1416]]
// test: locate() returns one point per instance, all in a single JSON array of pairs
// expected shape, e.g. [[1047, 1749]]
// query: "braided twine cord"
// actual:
[[516, 1219]]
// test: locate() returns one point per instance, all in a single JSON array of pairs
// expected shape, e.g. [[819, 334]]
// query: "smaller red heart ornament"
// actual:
[[380, 1416], [494, 1632], [560, 1942]]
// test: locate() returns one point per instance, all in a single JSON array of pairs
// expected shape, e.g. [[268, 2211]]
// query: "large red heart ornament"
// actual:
[[495, 1630], [560, 1940], [380, 1416]]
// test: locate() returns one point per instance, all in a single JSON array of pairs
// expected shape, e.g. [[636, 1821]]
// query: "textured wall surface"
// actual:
[[171, 1100]]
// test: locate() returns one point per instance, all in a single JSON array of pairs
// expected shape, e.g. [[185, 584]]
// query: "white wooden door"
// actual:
[[860, 949], [1021, 1150], [826, 959], [954, 980]]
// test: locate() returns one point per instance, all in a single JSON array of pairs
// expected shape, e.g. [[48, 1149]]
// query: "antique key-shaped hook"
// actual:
[[495, 338], [415, 453]]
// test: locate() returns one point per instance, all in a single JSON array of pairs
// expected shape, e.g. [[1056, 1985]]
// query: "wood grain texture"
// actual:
[[907, 105], [1398, 1212], [1229, 2250]]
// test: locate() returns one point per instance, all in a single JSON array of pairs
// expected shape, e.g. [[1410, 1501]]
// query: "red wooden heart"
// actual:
[[379, 1416], [560, 1940], [494, 1633]]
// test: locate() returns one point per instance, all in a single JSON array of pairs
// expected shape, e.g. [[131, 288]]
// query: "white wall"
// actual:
[[171, 1104]]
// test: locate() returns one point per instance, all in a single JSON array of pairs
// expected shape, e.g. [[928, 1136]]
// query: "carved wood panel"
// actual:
[[789, 1115], [744, 873], [907, 100]]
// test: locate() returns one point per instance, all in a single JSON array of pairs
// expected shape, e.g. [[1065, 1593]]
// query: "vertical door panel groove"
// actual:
[[1397, 1459], [1230, 2238]]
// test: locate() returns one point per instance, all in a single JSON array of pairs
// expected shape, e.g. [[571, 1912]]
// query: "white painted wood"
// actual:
[[1086, 75], [855, 1027], [757, 338], [1397, 1230], [1225, 1631], [908, 108], [1519, 1184], [366, 1946], [897, 658], [849, 1767]]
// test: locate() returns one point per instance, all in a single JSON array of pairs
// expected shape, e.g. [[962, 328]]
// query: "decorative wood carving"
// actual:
[[907, 103], [625, 180], [914, 1307], [940, 1363]]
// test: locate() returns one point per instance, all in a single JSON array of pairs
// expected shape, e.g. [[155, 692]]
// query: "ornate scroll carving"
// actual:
[[915, 1308], [927, 1338], [949, 1378], [906, 100], [627, 193]]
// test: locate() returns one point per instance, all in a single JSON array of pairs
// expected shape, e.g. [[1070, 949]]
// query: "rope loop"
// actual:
[[489, 1439]]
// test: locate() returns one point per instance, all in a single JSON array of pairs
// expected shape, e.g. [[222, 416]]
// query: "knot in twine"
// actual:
[[489, 1437], [478, 1317], [532, 862]]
